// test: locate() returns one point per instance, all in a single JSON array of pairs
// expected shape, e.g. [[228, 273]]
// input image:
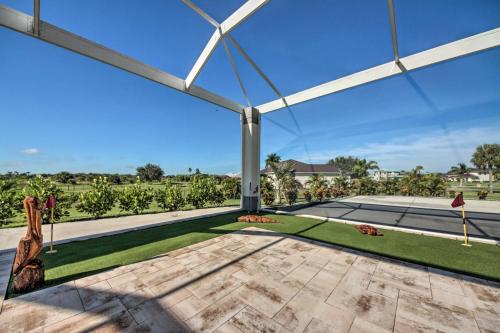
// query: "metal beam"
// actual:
[[238, 17], [23, 23], [36, 17], [462, 47], [235, 70], [202, 13]]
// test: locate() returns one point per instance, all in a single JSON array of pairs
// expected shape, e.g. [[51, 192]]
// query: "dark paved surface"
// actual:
[[484, 225]]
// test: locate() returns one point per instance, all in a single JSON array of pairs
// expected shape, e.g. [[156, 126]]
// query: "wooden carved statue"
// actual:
[[28, 270]]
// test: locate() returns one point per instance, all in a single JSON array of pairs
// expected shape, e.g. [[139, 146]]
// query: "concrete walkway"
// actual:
[[482, 206], [255, 280], [66, 232]]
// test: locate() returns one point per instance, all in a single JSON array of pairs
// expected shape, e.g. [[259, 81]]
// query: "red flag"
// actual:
[[51, 202], [458, 201]]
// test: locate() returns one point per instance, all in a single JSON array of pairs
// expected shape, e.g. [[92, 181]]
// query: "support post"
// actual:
[[250, 159]]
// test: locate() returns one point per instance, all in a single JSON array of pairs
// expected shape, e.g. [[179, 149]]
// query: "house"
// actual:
[[379, 175], [474, 175], [303, 171]]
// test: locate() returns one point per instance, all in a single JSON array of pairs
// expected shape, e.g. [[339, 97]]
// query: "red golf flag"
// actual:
[[51, 202], [458, 201]]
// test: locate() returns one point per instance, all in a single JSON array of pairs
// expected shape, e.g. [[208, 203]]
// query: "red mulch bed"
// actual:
[[256, 219], [368, 230]]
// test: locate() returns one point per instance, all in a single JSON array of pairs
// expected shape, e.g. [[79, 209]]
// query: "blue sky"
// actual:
[[61, 111]]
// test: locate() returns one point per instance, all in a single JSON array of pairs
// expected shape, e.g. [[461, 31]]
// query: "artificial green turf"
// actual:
[[82, 258]]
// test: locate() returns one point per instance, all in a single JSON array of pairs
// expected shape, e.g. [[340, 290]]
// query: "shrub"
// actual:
[[150, 172], [481, 195], [8, 200], [452, 194], [231, 188], [170, 197], [291, 187], [204, 190], [99, 200], [135, 198], [267, 190], [42, 188], [319, 193], [328, 193], [307, 196]]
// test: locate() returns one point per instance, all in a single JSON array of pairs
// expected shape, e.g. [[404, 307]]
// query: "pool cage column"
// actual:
[[250, 159]]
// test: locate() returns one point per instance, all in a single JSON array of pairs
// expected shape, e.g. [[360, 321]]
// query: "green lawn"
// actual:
[[82, 258]]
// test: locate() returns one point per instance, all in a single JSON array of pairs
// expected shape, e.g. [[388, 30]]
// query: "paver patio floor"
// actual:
[[255, 280]]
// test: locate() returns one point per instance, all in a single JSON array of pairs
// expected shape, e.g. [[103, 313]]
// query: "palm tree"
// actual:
[[487, 157], [283, 173], [460, 170], [361, 168], [318, 185], [272, 159], [190, 170]]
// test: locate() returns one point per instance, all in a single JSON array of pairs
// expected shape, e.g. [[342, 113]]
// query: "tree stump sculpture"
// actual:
[[28, 270]]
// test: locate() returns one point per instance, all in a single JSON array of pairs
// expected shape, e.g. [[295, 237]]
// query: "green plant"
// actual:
[[42, 188], [307, 196], [452, 194], [267, 190], [487, 157], [365, 186], [291, 188], [99, 200], [8, 200], [204, 190], [150, 172], [482, 195], [231, 187], [170, 197], [135, 198]]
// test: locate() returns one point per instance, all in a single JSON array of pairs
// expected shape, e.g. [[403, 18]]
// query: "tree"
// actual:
[[291, 189], [389, 186], [272, 159], [411, 183], [190, 170], [115, 179], [63, 177], [318, 186], [365, 186], [361, 168], [267, 190], [344, 164], [197, 171], [8, 200], [434, 185], [461, 170], [283, 172], [99, 200], [150, 172], [204, 190], [170, 197], [231, 187], [487, 157], [135, 198], [42, 188]]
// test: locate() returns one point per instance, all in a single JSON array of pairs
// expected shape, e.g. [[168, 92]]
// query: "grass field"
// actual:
[[83, 258], [470, 189]]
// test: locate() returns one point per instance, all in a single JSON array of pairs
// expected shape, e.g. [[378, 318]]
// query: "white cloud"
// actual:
[[435, 150], [30, 151]]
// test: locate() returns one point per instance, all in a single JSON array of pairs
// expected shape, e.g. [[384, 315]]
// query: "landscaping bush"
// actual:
[[291, 188], [8, 200], [42, 188], [452, 194], [231, 188], [267, 190], [170, 197], [135, 198], [319, 193], [482, 195], [99, 200], [204, 190], [307, 196]]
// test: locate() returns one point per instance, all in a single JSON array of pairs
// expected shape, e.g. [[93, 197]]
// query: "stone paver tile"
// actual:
[[405, 325], [322, 284], [173, 273], [165, 263], [301, 275], [356, 278], [367, 305], [297, 314], [147, 310], [193, 259], [216, 314], [365, 264], [96, 294], [428, 312], [109, 317], [450, 298], [43, 294], [319, 326], [214, 286], [404, 278], [384, 289], [20, 315], [92, 279], [189, 307], [487, 322], [170, 298], [227, 327], [483, 294], [131, 299], [445, 281], [303, 246], [178, 252], [250, 320], [265, 294], [362, 326]]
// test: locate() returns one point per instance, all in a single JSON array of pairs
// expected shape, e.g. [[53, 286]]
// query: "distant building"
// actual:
[[304, 170], [379, 175], [474, 175]]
